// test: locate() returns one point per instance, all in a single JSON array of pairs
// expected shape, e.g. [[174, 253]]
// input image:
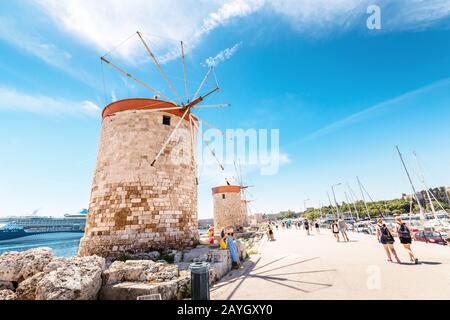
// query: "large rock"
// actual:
[[220, 255], [218, 270], [139, 271], [27, 288], [9, 266], [7, 295], [130, 270], [132, 290], [154, 255], [56, 263], [18, 266], [133, 278], [184, 285], [77, 278], [200, 253]]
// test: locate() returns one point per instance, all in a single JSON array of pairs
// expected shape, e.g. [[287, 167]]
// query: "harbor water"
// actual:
[[64, 244]]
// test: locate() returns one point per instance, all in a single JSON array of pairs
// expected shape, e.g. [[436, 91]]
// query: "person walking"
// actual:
[[270, 234], [385, 237], [317, 226], [235, 262], [405, 238], [306, 224], [343, 229], [335, 230]]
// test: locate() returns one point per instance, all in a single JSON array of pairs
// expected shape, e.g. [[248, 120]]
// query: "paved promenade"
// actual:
[[297, 266]]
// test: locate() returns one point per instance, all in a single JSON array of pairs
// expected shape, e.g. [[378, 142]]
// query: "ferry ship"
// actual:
[[19, 227]]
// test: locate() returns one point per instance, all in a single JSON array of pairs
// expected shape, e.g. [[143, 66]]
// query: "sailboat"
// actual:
[[437, 221]]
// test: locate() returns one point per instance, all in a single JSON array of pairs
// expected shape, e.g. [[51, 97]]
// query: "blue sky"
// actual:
[[341, 95]]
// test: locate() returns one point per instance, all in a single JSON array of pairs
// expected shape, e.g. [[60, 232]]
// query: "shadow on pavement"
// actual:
[[421, 262], [249, 272]]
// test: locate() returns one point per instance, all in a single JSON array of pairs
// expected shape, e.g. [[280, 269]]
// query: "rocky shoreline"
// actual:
[[37, 274]]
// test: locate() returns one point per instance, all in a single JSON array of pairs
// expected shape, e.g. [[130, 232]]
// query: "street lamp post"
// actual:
[[334, 196], [304, 204]]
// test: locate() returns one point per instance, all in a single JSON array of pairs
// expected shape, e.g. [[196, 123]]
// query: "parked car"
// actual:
[[364, 227], [430, 237]]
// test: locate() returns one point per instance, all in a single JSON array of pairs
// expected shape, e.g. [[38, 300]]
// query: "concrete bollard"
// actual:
[[200, 280]]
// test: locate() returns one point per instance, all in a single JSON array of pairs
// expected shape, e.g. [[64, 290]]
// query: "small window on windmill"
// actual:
[[223, 195], [166, 120]]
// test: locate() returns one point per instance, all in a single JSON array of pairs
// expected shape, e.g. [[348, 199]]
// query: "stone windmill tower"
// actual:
[[227, 207], [144, 189], [230, 204]]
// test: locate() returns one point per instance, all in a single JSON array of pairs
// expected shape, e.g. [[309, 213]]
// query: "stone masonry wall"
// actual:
[[244, 212], [228, 211], [134, 206]]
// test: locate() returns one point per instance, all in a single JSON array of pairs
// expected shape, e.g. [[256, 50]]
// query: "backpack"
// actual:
[[335, 227], [403, 232], [386, 234]]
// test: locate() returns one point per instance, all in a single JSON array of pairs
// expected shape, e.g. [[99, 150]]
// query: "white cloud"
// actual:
[[223, 55], [11, 99], [26, 40], [317, 17], [104, 24], [319, 14]]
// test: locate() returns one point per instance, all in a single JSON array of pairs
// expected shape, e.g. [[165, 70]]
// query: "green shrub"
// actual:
[[123, 257], [166, 257]]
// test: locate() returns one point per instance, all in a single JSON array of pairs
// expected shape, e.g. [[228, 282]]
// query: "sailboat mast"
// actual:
[[329, 199], [320, 206], [364, 199], [353, 200], [422, 178], [422, 214], [348, 203]]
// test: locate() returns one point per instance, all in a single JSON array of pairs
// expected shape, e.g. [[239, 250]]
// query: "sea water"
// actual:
[[64, 244]]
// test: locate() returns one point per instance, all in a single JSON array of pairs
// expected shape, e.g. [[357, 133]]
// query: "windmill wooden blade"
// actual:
[[184, 72], [210, 125], [214, 154], [202, 83], [238, 179], [161, 109], [159, 67], [129, 75], [170, 137], [193, 141], [223, 105], [201, 98]]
